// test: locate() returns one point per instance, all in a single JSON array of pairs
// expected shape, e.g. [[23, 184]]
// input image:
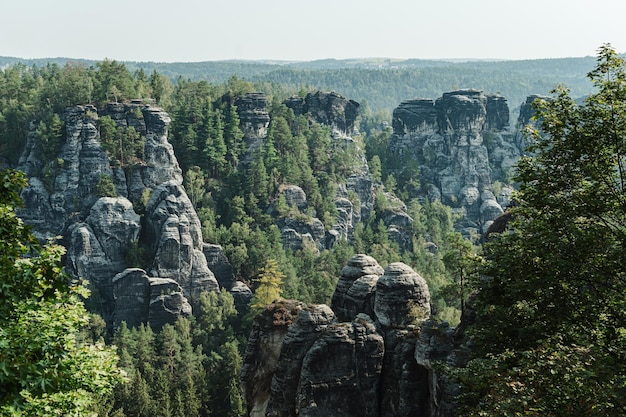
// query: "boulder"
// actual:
[[402, 297], [356, 288], [140, 299]]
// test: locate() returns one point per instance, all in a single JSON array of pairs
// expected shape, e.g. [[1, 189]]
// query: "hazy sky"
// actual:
[[195, 30]]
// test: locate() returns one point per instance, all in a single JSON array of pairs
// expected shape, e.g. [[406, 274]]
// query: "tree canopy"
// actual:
[[46, 367], [551, 300]]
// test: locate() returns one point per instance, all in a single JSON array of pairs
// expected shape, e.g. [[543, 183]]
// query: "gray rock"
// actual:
[[303, 332], [98, 232], [341, 371], [356, 288], [242, 294], [402, 297], [219, 264], [461, 143], [330, 109], [140, 299], [260, 359], [294, 196], [405, 389]]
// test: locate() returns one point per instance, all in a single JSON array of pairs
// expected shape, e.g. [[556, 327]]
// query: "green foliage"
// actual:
[[113, 82], [268, 287], [123, 145], [45, 367], [551, 295], [105, 187], [188, 369]]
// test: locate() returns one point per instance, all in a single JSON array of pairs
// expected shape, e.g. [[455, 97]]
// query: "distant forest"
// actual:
[[381, 84]]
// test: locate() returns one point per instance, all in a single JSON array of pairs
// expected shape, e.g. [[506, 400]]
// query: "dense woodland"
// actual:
[[192, 367]]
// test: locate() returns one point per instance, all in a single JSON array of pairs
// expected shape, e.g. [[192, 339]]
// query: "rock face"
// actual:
[[254, 119], [462, 144], [356, 288], [137, 296], [330, 109], [151, 210], [358, 358]]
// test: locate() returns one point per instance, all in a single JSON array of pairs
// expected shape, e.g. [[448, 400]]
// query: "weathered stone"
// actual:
[[140, 299], [405, 389], [330, 109], [341, 371], [242, 294], [99, 232], [262, 352], [219, 264], [402, 297], [296, 231], [462, 144], [294, 196], [254, 118], [303, 332], [356, 288]]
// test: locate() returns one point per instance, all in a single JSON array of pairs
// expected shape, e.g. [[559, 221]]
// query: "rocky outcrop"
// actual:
[[330, 109], [358, 359], [143, 299], [463, 145], [262, 352], [254, 119], [356, 288], [151, 211]]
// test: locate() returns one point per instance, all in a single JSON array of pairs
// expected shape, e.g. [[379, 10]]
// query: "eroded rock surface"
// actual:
[[462, 144], [368, 357], [356, 288], [151, 210]]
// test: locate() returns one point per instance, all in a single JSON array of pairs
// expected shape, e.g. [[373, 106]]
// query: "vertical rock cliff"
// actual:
[[462, 144], [151, 210]]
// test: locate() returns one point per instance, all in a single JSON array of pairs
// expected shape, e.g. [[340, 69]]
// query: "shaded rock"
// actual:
[[254, 118], [167, 303], [356, 288], [438, 344], [294, 196], [262, 352], [340, 373], [414, 115], [302, 333], [296, 231], [242, 294], [219, 264], [402, 297], [329, 109], [140, 299], [405, 389]]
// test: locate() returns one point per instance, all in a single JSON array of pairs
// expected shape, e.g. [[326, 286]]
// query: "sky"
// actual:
[[305, 30]]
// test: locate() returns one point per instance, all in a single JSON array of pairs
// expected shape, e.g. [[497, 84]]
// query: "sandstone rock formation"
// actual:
[[330, 109], [463, 145], [356, 288], [368, 356], [151, 208]]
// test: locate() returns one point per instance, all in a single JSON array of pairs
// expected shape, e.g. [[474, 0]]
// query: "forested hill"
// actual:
[[382, 83]]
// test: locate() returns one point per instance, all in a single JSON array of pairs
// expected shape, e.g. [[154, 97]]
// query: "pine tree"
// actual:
[[269, 286]]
